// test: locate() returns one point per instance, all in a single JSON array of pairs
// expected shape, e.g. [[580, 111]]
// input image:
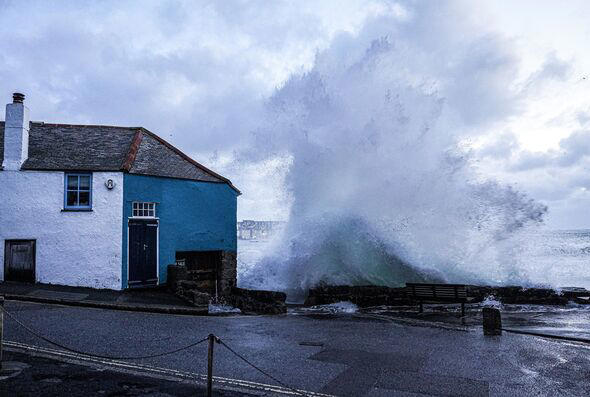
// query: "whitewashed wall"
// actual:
[[72, 248]]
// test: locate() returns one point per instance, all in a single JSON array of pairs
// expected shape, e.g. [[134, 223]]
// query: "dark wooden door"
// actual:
[[19, 260], [143, 252]]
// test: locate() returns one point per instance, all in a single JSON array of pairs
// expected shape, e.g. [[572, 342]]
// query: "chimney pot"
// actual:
[[16, 133], [17, 97]]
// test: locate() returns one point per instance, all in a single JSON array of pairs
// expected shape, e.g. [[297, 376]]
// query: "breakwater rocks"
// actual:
[[369, 295]]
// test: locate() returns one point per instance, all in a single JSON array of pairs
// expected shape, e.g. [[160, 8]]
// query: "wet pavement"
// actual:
[[46, 377], [340, 353], [152, 299], [566, 321]]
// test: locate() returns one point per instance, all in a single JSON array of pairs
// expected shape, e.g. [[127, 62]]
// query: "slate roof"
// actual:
[[135, 150]]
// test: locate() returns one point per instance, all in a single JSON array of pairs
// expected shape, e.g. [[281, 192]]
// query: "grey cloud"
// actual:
[[583, 118], [531, 160], [572, 151], [502, 147], [575, 147], [552, 69], [195, 72]]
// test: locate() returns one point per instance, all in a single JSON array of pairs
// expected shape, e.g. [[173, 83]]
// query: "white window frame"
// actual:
[[143, 209]]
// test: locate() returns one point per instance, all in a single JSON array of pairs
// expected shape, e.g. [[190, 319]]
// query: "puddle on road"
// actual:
[[572, 320]]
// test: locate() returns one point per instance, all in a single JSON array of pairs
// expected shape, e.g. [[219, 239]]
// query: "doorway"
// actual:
[[19, 260], [143, 252]]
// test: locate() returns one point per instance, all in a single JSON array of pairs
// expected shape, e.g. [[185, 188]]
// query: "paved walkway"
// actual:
[[344, 355], [157, 300]]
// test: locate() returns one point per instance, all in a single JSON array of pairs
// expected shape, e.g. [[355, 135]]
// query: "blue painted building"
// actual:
[[109, 207], [193, 216]]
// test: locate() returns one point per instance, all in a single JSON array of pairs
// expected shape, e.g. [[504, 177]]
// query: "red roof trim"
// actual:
[[190, 160], [132, 153]]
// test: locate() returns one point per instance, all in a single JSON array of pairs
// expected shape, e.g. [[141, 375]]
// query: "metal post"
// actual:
[[210, 366], [1, 327]]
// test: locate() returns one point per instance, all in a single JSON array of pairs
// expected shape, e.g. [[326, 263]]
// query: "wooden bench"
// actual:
[[449, 293]]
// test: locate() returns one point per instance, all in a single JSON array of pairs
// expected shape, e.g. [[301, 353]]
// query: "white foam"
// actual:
[[216, 308], [339, 307], [381, 188]]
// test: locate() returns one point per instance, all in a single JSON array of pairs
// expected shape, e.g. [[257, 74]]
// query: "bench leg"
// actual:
[[421, 308], [462, 309]]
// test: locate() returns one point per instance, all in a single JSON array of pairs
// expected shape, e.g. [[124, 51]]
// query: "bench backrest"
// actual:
[[447, 292]]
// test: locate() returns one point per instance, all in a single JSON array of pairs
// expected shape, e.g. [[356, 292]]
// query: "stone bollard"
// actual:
[[492, 321]]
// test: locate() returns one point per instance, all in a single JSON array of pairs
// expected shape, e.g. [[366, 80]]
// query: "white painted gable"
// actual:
[[72, 248]]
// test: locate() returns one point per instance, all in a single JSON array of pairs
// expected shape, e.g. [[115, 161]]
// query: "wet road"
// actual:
[[343, 354]]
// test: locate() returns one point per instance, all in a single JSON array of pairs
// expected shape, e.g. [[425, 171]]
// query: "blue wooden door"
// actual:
[[143, 252]]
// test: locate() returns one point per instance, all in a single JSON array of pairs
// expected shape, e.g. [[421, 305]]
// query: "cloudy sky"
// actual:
[[200, 74]]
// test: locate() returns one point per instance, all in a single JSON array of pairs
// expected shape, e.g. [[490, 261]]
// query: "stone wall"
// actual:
[[366, 296], [363, 296], [190, 286], [228, 272], [520, 295], [185, 284], [258, 301]]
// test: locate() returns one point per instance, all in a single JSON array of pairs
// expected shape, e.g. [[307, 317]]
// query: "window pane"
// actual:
[[143, 209], [84, 182], [72, 198], [84, 198], [72, 182]]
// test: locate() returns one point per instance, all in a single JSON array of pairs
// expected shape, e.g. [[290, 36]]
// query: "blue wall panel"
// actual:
[[194, 216]]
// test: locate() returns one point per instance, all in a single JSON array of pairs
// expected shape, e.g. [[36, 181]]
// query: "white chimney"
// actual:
[[16, 133]]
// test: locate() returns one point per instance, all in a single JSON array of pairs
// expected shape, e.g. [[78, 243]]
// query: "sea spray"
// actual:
[[382, 188]]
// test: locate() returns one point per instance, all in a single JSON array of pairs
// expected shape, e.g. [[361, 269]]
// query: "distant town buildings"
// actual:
[[258, 230]]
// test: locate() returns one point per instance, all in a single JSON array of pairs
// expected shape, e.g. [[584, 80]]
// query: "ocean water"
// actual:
[[558, 257], [553, 258]]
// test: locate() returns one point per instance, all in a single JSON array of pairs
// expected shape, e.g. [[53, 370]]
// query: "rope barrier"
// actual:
[[220, 341], [216, 339], [32, 332]]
